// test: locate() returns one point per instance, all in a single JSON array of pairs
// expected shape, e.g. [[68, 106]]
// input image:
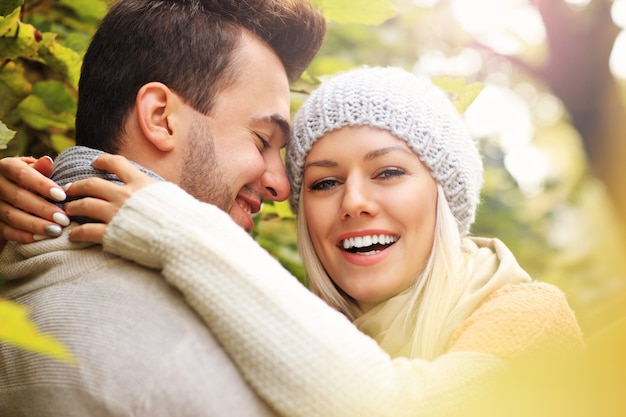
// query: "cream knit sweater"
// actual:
[[302, 357]]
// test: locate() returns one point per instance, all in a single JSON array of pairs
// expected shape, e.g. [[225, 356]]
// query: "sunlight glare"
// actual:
[[425, 3], [506, 26], [618, 13], [617, 61], [467, 63], [548, 110], [501, 114], [529, 166], [578, 4]]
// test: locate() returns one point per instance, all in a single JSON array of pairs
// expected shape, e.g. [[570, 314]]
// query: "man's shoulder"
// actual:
[[137, 343], [110, 293]]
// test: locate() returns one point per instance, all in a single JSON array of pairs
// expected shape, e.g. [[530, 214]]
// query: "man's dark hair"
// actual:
[[188, 45]]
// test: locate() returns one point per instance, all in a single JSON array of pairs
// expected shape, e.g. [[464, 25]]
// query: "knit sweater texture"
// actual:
[[140, 349], [304, 358]]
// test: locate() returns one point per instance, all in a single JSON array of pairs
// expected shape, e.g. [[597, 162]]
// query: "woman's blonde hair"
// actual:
[[435, 291]]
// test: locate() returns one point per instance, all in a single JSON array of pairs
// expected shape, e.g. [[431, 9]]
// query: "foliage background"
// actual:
[[566, 228]]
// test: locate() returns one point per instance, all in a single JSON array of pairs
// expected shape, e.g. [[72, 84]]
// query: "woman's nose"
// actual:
[[357, 200]]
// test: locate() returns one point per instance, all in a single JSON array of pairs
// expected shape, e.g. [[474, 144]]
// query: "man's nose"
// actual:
[[275, 183]]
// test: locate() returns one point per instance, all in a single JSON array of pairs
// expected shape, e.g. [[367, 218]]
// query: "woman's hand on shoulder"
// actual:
[[25, 216], [103, 199]]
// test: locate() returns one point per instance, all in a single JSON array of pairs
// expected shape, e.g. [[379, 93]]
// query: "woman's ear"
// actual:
[[157, 106]]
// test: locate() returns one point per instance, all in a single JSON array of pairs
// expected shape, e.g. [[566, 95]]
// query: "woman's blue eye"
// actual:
[[390, 173], [323, 184]]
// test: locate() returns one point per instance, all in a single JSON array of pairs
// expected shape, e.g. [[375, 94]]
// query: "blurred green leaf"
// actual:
[[14, 86], [65, 61], [34, 111], [6, 135], [366, 12], [61, 142], [56, 96], [17, 146], [78, 42], [7, 6], [87, 9], [331, 64], [284, 210]]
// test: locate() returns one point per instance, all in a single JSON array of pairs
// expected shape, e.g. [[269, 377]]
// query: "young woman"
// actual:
[[385, 181]]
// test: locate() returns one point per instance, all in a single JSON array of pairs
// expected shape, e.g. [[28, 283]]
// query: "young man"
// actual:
[[197, 93]]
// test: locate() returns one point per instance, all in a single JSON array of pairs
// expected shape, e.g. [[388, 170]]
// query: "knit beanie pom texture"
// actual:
[[412, 109]]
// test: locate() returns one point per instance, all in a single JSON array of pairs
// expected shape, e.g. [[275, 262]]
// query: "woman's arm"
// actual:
[[24, 215], [302, 357]]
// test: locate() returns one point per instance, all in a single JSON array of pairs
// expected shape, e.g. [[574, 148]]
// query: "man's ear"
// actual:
[[157, 110]]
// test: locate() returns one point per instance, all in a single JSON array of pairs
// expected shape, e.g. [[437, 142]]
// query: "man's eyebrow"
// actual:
[[276, 120]]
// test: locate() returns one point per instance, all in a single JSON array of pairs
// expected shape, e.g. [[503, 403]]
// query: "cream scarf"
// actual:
[[392, 326]]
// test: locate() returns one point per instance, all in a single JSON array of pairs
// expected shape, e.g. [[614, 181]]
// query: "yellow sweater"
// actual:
[[521, 320]]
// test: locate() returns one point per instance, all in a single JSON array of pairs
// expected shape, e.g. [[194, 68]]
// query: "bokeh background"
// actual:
[[551, 121]]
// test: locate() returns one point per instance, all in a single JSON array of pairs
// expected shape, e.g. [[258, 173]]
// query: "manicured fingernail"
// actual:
[[40, 237], [48, 158], [53, 230], [61, 219], [94, 160], [67, 186], [57, 193]]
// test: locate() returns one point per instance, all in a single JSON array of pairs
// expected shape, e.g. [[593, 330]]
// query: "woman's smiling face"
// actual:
[[370, 206]]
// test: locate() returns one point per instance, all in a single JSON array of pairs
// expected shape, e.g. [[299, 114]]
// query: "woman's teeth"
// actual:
[[368, 240]]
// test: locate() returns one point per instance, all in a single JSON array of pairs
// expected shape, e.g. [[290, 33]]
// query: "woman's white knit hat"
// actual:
[[408, 106]]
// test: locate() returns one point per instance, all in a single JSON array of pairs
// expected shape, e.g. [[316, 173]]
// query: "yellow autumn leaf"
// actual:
[[452, 85], [463, 94], [17, 39], [60, 58], [17, 330], [467, 96]]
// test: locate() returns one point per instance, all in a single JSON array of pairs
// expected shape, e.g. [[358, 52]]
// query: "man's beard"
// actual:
[[202, 174]]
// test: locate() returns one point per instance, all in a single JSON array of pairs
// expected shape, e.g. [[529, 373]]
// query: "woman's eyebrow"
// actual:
[[383, 151], [323, 163], [327, 163]]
